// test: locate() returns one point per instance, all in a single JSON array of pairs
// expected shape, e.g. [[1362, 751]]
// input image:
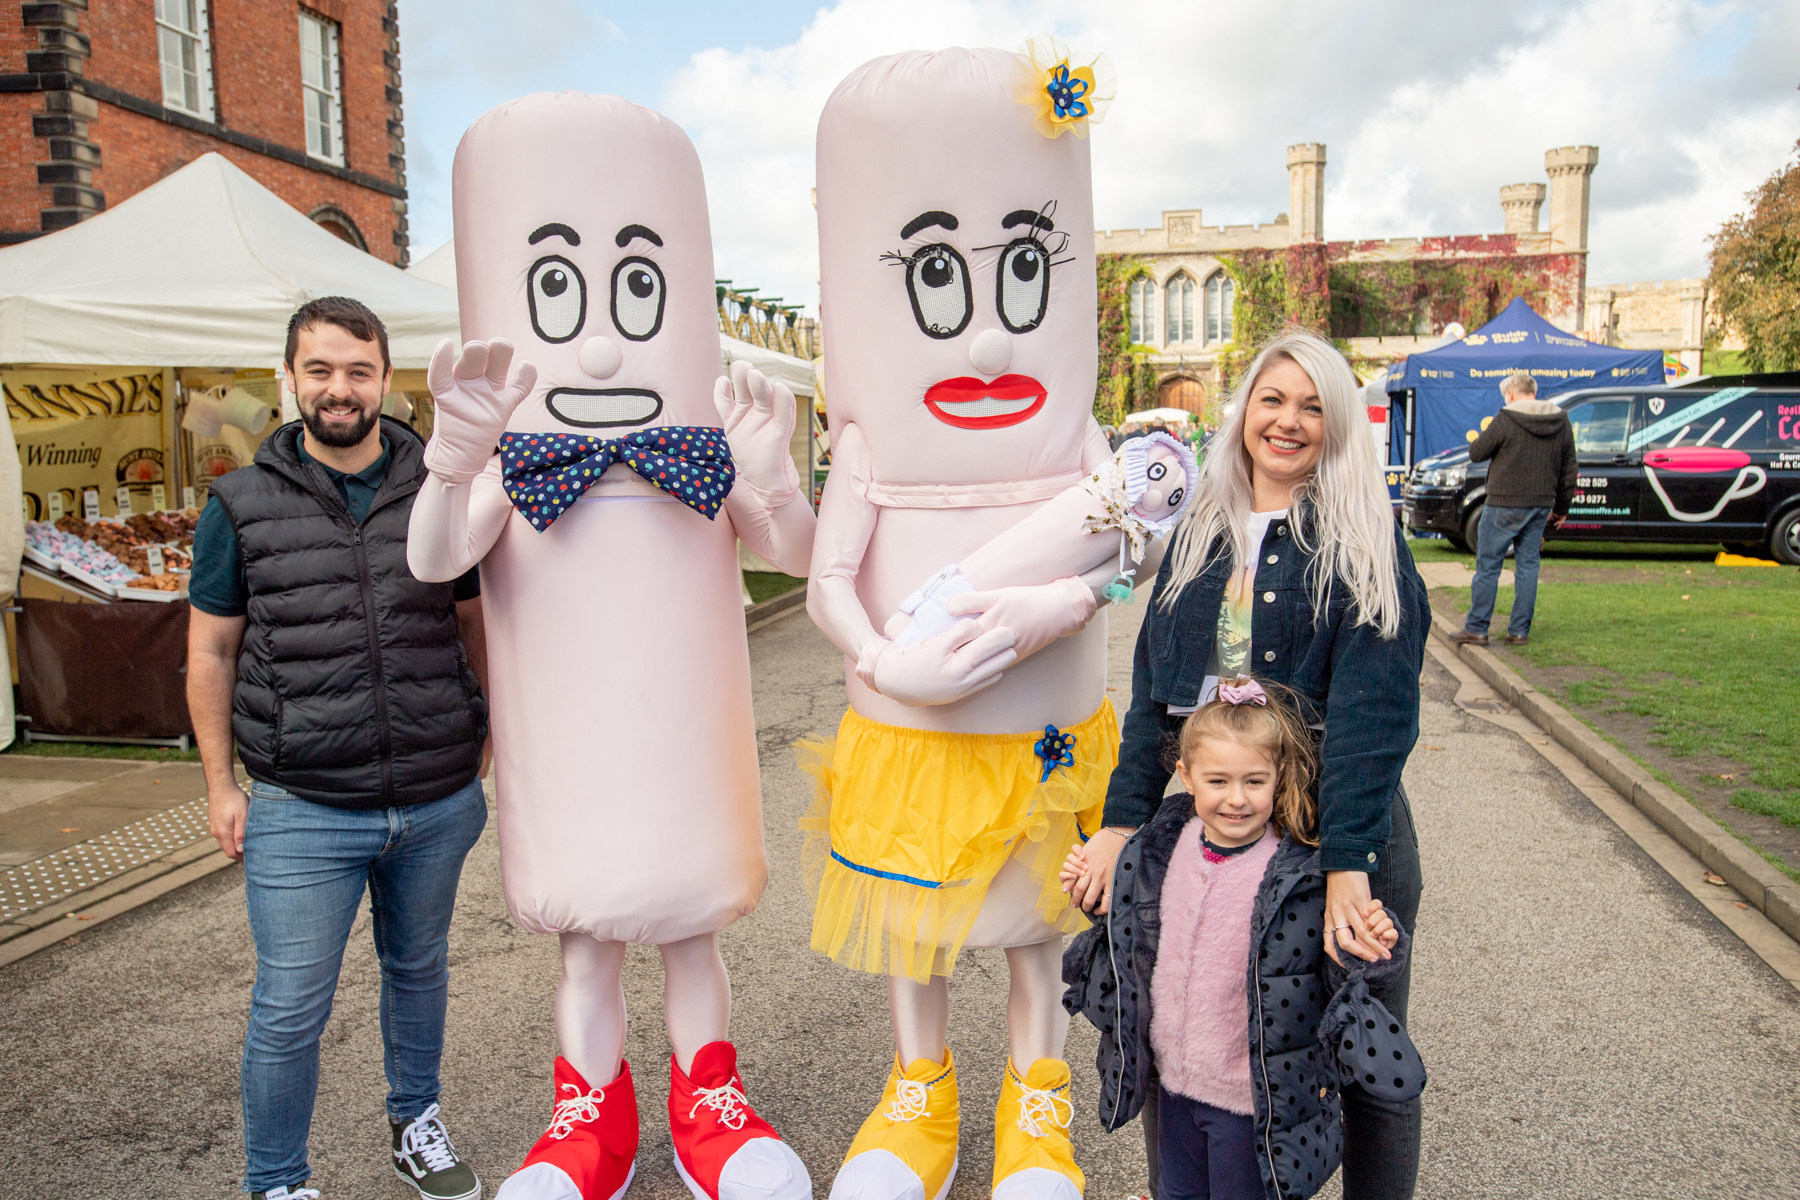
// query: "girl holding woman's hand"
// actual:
[[1290, 566]]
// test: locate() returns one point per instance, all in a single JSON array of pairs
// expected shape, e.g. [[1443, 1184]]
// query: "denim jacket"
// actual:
[[1363, 688]]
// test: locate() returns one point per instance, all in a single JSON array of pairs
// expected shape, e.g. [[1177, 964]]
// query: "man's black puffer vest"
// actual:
[[353, 689]]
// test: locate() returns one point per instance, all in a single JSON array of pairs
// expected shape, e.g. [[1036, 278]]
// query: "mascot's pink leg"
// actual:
[[1036, 1022], [590, 1006], [921, 1013], [1033, 1157], [723, 1150], [589, 1150]]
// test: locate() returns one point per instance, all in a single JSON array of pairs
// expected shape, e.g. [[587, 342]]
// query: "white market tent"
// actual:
[[439, 267], [202, 269], [1167, 416]]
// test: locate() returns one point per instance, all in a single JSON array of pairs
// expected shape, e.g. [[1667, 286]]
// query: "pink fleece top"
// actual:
[[1200, 1026]]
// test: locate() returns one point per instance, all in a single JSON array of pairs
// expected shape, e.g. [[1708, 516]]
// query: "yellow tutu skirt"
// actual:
[[910, 826]]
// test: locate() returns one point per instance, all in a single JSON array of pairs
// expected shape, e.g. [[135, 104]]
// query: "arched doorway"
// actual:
[[1182, 391]]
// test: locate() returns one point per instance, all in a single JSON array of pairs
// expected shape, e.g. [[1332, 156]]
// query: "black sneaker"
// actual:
[[286, 1193], [424, 1157]]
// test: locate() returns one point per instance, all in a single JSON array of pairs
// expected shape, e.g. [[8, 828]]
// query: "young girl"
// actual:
[[1208, 979]]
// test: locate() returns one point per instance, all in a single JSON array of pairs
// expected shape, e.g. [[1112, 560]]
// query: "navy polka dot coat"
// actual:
[[1314, 1028]]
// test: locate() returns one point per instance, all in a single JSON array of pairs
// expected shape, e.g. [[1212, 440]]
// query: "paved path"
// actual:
[[1590, 1030]]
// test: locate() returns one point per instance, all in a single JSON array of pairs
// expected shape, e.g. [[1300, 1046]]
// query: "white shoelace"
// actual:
[[576, 1110], [727, 1101], [427, 1138], [296, 1194], [910, 1098], [1038, 1106]]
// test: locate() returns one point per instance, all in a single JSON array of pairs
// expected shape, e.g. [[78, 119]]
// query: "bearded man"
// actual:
[[351, 690]]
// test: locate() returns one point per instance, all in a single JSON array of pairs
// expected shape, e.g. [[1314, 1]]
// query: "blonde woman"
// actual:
[[1291, 567]]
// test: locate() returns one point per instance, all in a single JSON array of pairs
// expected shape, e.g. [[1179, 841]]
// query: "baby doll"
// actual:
[[1136, 495]]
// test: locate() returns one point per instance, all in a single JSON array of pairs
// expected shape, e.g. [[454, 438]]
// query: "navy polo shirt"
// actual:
[[217, 585]]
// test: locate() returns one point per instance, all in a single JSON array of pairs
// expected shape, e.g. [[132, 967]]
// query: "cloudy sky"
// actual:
[[1426, 109]]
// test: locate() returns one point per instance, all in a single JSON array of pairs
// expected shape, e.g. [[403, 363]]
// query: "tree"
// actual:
[[1755, 273]]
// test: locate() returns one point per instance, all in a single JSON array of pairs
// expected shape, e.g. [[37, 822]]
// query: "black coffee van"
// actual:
[[1712, 462]]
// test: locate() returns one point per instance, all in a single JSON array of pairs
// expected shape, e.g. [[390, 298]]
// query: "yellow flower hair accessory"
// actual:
[[1063, 97]]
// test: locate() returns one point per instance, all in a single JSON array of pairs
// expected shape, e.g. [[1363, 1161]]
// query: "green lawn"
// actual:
[[766, 585], [102, 750], [1710, 654]]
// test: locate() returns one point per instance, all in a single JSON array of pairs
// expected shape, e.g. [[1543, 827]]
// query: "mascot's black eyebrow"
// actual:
[[636, 231], [1025, 216], [554, 229], [927, 219]]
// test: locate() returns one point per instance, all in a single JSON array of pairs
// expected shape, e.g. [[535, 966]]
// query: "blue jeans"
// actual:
[[1523, 530], [305, 867]]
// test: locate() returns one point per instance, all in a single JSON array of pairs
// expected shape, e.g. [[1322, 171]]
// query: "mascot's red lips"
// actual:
[[968, 403]]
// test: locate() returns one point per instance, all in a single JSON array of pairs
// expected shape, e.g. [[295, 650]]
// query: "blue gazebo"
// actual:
[[1446, 393]]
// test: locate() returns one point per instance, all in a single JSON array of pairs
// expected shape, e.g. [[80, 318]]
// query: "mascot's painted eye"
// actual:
[[1024, 285], [637, 298], [557, 296], [1157, 470], [937, 279], [1174, 500]]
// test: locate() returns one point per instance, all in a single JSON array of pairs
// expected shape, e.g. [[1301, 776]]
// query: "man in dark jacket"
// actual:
[[1530, 485], [351, 690]]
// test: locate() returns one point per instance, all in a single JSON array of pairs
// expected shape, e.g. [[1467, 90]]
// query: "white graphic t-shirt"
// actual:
[[1231, 636]]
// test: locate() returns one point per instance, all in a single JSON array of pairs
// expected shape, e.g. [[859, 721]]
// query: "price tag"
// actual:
[[90, 503], [154, 554], [123, 497], [159, 497], [53, 509], [187, 498]]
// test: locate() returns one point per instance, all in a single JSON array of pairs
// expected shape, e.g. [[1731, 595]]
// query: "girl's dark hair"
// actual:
[[1278, 731], [352, 316]]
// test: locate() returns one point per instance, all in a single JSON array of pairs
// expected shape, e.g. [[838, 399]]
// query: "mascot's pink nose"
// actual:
[[991, 352], [600, 357]]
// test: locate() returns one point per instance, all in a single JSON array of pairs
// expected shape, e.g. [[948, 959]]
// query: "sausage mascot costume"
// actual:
[[957, 274], [588, 456]]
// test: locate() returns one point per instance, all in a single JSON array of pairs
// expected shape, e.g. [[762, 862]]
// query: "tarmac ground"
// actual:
[[1589, 1028]]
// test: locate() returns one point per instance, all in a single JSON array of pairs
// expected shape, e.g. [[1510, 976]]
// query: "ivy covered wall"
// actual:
[[1127, 382], [1343, 290], [1468, 284]]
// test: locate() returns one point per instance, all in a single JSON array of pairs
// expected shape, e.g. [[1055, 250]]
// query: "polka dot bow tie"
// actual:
[[544, 473]]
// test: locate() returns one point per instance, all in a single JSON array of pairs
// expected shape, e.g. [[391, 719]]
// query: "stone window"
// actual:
[[186, 54], [1179, 307], [1220, 292], [321, 79], [1143, 311]]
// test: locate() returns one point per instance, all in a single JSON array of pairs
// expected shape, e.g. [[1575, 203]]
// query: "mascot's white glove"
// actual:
[[758, 416], [474, 399], [954, 664], [1036, 615]]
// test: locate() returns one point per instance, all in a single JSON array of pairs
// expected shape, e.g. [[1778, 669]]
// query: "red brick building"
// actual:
[[101, 98]]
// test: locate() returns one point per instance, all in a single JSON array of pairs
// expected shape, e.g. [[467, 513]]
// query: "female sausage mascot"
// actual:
[[957, 274], [606, 527]]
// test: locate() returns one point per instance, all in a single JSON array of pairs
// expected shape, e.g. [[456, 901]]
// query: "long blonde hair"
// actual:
[[1345, 496]]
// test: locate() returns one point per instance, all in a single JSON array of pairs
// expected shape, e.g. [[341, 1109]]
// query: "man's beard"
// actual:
[[340, 437]]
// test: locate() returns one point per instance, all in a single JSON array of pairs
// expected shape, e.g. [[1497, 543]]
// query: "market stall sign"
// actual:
[[80, 434]]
